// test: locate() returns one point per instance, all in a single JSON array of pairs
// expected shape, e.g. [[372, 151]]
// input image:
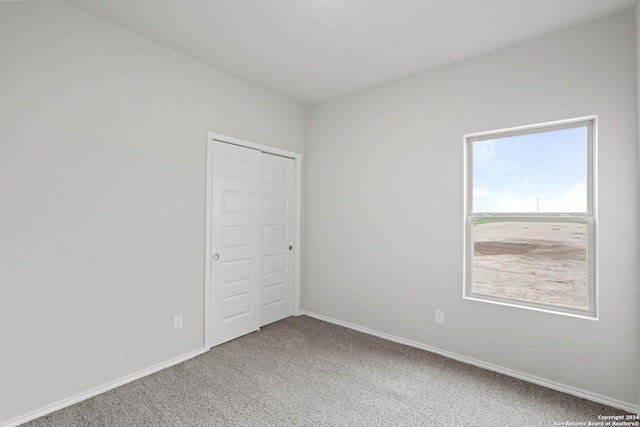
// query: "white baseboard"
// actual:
[[98, 390], [495, 368]]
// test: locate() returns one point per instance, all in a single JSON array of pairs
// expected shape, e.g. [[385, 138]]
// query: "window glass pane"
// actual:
[[540, 172], [542, 262]]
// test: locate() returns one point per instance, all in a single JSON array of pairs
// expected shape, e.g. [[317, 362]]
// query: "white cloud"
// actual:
[[574, 200]]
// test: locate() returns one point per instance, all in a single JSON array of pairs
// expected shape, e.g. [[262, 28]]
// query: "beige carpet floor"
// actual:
[[305, 372]]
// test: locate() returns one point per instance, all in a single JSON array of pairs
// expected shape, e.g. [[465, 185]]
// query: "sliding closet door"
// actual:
[[252, 219], [236, 241], [277, 249]]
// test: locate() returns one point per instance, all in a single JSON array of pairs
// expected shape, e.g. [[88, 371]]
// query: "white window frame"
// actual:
[[589, 217]]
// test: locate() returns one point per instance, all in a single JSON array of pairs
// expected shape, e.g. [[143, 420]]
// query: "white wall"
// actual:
[[638, 136], [102, 179], [384, 206]]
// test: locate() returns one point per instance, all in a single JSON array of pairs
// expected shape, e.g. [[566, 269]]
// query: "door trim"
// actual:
[[297, 215]]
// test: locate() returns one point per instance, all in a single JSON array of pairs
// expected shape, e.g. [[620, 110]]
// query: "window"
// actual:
[[530, 217]]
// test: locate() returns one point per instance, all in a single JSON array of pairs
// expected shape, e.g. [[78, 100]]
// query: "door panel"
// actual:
[[234, 236], [276, 204], [277, 236], [236, 306], [236, 242], [274, 294], [276, 233]]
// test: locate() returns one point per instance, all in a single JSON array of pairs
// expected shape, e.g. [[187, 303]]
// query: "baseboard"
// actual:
[[99, 390], [491, 367]]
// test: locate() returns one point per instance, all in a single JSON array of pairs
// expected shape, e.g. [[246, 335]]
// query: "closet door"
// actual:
[[277, 238], [236, 241]]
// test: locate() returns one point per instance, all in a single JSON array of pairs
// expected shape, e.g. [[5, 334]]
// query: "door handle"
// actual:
[[216, 257]]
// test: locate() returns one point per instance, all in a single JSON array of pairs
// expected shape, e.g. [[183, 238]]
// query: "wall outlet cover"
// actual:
[[177, 322]]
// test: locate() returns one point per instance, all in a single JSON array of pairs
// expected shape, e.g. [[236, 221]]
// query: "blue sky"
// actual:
[[544, 172]]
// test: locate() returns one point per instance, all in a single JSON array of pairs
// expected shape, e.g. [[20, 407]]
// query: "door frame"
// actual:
[[297, 215]]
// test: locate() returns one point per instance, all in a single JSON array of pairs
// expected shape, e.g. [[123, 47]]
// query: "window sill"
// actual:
[[527, 305]]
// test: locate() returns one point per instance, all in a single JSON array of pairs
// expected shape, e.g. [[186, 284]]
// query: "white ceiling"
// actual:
[[310, 51]]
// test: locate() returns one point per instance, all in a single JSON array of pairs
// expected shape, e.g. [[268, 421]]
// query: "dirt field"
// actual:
[[536, 261]]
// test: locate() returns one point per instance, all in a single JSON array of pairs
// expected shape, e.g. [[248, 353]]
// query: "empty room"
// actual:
[[319, 213]]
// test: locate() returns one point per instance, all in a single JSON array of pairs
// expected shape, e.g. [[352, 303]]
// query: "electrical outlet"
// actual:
[[440, 317], [177, 322]]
